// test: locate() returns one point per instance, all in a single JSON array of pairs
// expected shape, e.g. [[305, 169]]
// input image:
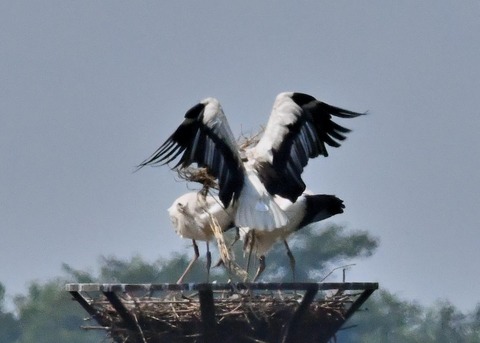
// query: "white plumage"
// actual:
[[297, 130], [191, 215], [307, 209]]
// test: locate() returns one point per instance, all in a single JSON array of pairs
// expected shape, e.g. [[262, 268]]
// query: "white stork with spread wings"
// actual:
[[298, 129]]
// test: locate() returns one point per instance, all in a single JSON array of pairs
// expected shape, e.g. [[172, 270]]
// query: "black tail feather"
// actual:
[[320, 207]]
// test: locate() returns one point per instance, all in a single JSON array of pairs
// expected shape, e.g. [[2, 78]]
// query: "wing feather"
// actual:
[[205, 138], [299, 128]]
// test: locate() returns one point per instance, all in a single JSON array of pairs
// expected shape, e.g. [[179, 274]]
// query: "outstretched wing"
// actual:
[[299, 128], [206, 139]]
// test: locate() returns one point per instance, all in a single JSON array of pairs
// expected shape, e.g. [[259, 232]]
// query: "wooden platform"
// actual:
[[227, 312]]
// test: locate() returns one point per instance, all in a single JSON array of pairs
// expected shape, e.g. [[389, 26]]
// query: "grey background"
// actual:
[[89, 89]]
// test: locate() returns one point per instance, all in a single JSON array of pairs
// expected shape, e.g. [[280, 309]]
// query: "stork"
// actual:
[[299, 128], [191, 215], [307, 209]]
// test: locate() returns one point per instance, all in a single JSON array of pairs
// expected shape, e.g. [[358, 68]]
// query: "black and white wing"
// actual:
[[299, 128], [205, 138]]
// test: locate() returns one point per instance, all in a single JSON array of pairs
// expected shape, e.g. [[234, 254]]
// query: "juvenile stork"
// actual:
[[299, 128], [192, 214], [306, 210]]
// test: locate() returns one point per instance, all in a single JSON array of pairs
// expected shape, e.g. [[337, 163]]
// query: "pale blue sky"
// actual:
[[89, 89]]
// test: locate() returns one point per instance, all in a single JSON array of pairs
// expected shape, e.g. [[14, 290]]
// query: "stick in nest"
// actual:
[[226, 253], [199, 175], [244, 142]]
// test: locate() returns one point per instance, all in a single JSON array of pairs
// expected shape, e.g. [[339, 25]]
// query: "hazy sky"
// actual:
[[88, 89]]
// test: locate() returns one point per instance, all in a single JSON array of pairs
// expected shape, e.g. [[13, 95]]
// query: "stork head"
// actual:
[[180, 207]]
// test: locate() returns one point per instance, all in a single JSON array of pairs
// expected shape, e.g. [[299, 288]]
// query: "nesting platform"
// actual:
[[223, 312]]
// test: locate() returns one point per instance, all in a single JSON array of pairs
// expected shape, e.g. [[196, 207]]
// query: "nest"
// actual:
[[240, 316]]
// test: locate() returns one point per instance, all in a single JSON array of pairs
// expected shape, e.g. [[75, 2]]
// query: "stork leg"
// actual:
[[237, 236], [292, 259], [249, 242], [197, 254], [248, 260], [261, 267], [209, 262], [219, 263]]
